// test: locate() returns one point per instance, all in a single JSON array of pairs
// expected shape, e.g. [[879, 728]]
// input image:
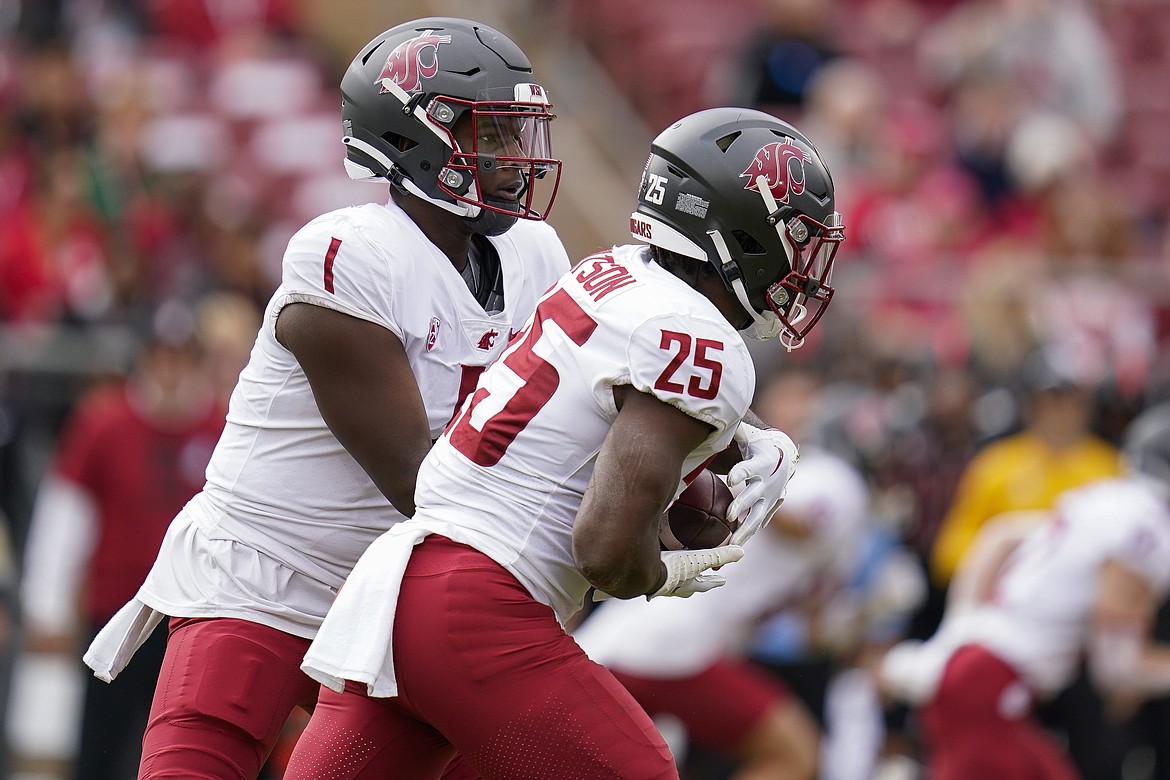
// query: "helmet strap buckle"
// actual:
[[412, 103]]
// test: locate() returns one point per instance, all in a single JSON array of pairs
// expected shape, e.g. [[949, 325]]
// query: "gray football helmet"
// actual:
[[1146, 444], [748, 193], [406, 89]]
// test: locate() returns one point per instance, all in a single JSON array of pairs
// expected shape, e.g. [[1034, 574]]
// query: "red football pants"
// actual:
[[484, 669], [225, 690], [979, 725], [719, 706]]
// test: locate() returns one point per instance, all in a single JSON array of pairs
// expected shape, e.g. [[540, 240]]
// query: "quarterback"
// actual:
[[384, 317]]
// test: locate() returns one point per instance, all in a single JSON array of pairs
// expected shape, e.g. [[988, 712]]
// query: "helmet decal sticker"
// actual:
[[692, 204], [412, 61], [781, 163]]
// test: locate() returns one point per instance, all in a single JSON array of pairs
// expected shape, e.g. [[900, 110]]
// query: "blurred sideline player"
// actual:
[[552, 479], [1037, 591], [384, 317], [131, 455], [686, 658]]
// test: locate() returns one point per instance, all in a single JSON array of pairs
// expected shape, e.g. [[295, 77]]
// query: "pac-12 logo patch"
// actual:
[[411, 62], [781, 163], [433, 334]]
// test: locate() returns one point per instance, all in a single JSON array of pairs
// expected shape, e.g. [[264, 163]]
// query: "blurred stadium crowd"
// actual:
[[1003, 168]]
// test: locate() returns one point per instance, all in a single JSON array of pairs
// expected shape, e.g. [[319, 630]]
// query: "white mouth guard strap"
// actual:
[[737, 284]]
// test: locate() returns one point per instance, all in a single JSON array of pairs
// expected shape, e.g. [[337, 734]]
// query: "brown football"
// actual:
[[697, 520]]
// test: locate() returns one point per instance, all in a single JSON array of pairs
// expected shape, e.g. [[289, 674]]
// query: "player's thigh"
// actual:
[[979, 724], [225, 690], [496, 673], [352, 736], [723, 705]]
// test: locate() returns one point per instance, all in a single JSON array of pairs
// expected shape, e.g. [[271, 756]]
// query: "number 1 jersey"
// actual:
[[278, 480]]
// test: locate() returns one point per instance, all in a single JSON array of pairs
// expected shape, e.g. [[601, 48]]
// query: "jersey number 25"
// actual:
[[540, 379]]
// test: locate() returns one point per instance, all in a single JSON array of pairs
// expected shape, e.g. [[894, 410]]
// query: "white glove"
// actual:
[[684, 571], [760, 480]]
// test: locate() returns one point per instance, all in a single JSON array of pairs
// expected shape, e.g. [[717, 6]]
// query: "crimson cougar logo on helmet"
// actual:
[[412, 61], [781, 163]]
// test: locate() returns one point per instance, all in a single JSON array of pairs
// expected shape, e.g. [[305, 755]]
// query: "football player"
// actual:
[[630, 376], [385, 315], [1037, 592]]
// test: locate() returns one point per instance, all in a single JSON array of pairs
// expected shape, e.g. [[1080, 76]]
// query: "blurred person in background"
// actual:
[[55, 263], [1037, 591], [820, 647], [1051, 55], [1055, 450], [783, 57], [131, 455], [386, 315]]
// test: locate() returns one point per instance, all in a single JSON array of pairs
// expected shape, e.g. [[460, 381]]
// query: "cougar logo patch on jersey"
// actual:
[[412, 61], [488, 340], [433, 334], [782, 165]]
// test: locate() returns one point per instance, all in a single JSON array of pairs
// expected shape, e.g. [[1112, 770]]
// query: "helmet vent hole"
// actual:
[[399, 142], [726, 141], [370, 53], [748, 243]]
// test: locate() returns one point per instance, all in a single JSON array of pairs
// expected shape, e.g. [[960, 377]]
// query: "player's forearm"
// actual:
[[622, 570], [1122, 662]]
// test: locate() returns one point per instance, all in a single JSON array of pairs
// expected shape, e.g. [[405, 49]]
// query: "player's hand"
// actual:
[[760, 480], [685, 571]]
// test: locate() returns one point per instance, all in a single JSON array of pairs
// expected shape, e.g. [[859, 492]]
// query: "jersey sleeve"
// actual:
[[696, 365], [1138, 534], [330, 263]]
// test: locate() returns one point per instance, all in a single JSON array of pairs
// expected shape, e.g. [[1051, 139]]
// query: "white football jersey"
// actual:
[[1039, 615], [672, 637], [508, 477], [279, 481]]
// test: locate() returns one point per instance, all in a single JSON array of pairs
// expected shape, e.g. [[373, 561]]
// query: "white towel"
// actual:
[[356, 640], [120, 638]]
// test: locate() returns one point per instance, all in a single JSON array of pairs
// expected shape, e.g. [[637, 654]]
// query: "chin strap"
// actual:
[[764, 326], [458, 207]]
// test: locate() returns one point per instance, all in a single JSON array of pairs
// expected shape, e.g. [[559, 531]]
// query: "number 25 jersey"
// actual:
[[508, 475]]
